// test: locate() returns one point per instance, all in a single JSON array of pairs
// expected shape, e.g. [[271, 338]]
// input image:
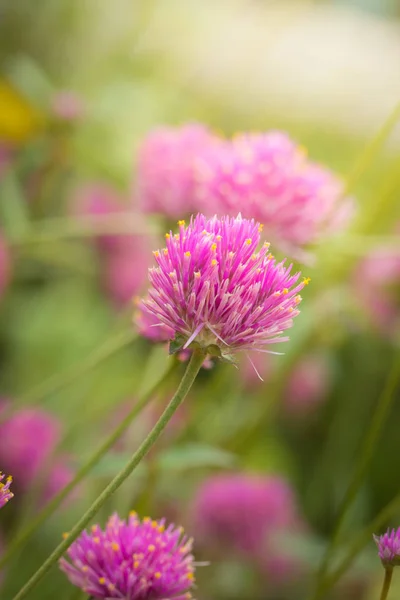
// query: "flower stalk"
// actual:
[[187, 381]]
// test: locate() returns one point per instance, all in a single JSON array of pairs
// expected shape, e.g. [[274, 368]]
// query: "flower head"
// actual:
[[214, 288], [133, 559], [242, 512], [389, 547], [268, 176], [28, 441], [166, 169], [5, 492]]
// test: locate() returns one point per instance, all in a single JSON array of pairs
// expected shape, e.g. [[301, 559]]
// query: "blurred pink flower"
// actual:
[[165, 183], [4, 264], [97, 200], [125, 259], [268, 177], [308, 384], [28, 441], [377, 288], [253, 366], [126, 269], [242, 511], [67, 106]]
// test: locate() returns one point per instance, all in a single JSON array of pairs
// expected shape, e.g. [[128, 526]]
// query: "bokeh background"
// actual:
[[81, 85]]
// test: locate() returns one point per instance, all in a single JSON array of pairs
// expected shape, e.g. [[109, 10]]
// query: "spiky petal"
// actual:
[[5, 492]]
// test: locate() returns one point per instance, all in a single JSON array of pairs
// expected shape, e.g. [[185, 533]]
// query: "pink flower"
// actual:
[[165, 177], [5, 492], [307, 384], [28, 442], [134, 560], [377, 282], [124, 258], [268, 177], [389, 547], [68, 106], [213, 287], [243, 512], [126, 269]]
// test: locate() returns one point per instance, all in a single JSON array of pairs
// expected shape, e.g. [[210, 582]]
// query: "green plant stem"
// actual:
[[55, 229], [21, 538], [372, 149], [359, 542], [186, 383], [367, 450], [386, 583]]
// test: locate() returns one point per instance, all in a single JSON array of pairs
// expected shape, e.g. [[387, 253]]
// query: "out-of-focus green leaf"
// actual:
[[13, 210], [190, 456]]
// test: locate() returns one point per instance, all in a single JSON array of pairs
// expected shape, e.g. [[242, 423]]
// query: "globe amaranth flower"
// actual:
[[389, 547], [5, 492], [215, 289], [124, 259], [133, 560], [165, 171], [242, 510], [267, 176], [28, 442]]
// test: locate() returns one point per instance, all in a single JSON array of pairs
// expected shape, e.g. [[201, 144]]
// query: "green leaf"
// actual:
[[13, 207], [190, 456], [176, 345]]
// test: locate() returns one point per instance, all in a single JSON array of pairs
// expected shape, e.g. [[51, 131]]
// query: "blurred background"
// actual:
[[81, 85]]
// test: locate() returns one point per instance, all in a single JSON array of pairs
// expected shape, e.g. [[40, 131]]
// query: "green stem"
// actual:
[[187, 381], [360, 541], [367, 450], [372, 149], [386, 583], [55, 229], [26, 533]]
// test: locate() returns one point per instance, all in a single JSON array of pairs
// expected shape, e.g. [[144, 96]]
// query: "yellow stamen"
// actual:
[[190, 576], [188, 254], [167, 235], [157, 575], [285, 291], [181, 223], [96, 539], [248, 241], [102, 580], [146, 520], [85, 568], [65, 535], [214, 262], [154, 524], [306, 280], [214, 247], [156, 253], [161, 528], [115, 546], [218, 238], [133, 513], [260, 227], [165, 251], [151, 547]]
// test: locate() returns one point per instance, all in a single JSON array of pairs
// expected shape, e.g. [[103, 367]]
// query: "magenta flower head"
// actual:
[[215, 289], [133, 560], [267, 176], [389, 547], [5, 492], [165, 175], [242, 512]]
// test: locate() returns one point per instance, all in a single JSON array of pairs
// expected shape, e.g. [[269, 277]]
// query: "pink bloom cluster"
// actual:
[[133, 559], [166, 169], [264, 176], [377, 286], [28, 440], [307, 384], [5, 492], [214, 287], [244, 513], [389, 547], [124, 258]]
